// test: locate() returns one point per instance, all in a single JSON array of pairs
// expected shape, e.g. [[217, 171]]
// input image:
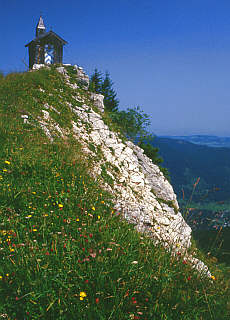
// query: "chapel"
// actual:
[[46, 48]]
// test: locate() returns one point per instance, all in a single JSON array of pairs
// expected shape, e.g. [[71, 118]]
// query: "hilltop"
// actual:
[[89, 225]]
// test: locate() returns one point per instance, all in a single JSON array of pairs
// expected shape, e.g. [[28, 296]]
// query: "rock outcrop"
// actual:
[[142, 195]]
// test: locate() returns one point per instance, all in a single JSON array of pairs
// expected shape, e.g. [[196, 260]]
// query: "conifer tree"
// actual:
[[110, 101], [96, 81]]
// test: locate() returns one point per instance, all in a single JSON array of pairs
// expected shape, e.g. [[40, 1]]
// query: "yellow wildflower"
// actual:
[[0, 277], [82, 295], [4, 170], [34, 192], [77, 219], [35, 230], [60, 205], [93, 208], [7, 162], [99, 217], [1, 177], [213, 277]]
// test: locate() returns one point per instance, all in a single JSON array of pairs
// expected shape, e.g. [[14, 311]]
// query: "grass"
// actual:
[[65, 252]]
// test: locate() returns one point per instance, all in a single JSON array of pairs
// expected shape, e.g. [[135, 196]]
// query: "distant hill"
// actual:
[[210, 141], [187, 162]]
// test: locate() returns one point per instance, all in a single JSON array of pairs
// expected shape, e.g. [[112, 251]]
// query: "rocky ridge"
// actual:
[[143, 196]]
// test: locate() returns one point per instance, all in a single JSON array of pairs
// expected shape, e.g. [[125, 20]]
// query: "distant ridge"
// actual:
[[206, 140]]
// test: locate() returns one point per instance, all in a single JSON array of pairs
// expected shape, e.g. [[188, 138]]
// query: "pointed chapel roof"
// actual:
[[40, 24], [47, 35]]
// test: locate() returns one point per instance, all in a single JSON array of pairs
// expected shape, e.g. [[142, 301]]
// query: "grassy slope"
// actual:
[[65, 253]]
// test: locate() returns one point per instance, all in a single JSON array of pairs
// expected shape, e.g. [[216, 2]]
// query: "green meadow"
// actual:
[[66, 253]]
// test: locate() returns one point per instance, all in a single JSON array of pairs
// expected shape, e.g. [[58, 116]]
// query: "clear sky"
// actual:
[[171, 57]]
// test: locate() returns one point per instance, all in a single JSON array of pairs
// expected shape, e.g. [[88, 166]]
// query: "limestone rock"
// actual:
[[82, 76], [98, 101]]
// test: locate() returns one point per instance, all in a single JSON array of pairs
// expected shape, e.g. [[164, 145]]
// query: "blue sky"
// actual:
[[172, 58]]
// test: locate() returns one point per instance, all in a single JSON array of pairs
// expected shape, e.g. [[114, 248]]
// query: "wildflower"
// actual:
[[77, 219], [102, 201], [60, 205], [93, 208], [29, 216], [86, 281], [1, 178], [35, 230], [82, 295], [47, 253], [213, 277], [0, 277], [134, 301], [33, 192], [4, 170], [99, 217], [189, 278], [97, 300], [7, 162]]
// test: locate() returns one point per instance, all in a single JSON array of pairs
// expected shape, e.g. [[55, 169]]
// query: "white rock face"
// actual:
[[82, 76], [98, 101], [143, 196], [38, 66]]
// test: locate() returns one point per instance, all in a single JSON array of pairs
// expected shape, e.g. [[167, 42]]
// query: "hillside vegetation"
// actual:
[[65, 252]]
